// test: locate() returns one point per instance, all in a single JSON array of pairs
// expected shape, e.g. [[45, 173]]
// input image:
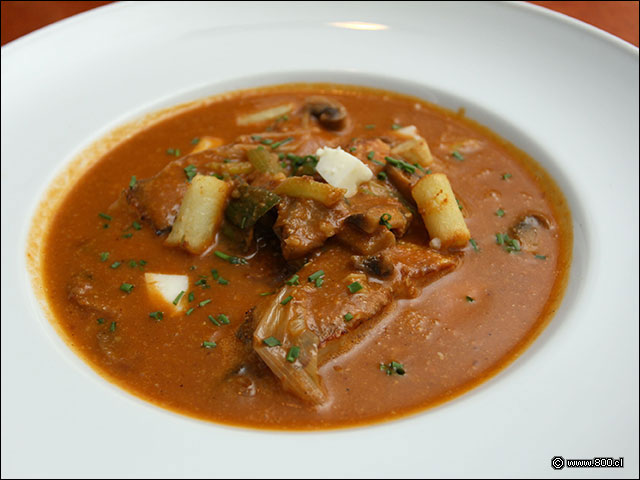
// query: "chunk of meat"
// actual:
[[82, 290], [371, 151], [323, 319], [304, 225], [365, 243], [371, 203], [404, 181]]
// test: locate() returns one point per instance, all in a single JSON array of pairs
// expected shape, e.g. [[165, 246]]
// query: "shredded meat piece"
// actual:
[[362, 149], [304, 225]]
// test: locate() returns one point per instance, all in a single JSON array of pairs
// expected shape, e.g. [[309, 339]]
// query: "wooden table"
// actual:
[[617, 17]]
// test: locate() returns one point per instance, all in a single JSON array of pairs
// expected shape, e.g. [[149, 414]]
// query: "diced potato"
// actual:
[[264, 115], [439, 210], [207, 143], [232, 168], [200, 214], [165, 289], [415, 150], [307, 187]]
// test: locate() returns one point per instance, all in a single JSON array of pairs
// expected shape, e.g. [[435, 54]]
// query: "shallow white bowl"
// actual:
[[564, 92]]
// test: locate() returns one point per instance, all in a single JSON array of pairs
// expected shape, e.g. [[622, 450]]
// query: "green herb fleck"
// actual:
[[474, 244], [231, 259], [222, 318], [133, 181], [190, 311], [127, 235], [213, 320], [266, 294], [384, 220], [457, 155], [392, 368], [469, 299], [293, 280], [190, 171], [115, 265], [293, 353], [105, 216], [204, 302], [177, 299], [401, 164], [113, 326], [195, 141], [355, 287], [271, 342], [208, 344], [136, 226], [348, 317], [319, 282], [100, 321], [396, 126], [382, 176], [314, 276], [541, 257], [281, 142], [500, 212], [156, 315], [286, 300], [126, 287], [104, 256], [506, 176], [370, 127]]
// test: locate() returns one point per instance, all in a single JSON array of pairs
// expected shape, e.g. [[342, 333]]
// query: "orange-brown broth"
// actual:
[[446, 344]]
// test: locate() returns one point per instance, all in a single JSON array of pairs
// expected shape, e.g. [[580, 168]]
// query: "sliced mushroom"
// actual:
[[331, 114], [526, 231]]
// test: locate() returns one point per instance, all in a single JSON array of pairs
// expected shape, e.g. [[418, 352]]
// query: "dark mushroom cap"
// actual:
[[331, 114]]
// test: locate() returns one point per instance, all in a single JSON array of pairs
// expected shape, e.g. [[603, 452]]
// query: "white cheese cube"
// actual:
[[164, 289], [341, 169]]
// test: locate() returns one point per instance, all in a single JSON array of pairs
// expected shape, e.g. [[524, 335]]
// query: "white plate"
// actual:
[[565, 92]]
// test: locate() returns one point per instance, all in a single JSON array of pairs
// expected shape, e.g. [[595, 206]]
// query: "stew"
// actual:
[[305, 256]]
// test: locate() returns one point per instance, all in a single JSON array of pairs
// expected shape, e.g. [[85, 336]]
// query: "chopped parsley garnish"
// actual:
[[202, 282], [541, 257], [195, 141], [177, 299], [113, 326], [190, 311], [173, 151], [142, 263], [506, 176], [223, 281], [401, 164], [293, 280], [266, 141], [126, 287], [209, 344], [382, 176], [352, 149], [127, 235], [314, 276], [215, 274], [281, 142], [348, 317], [271, 342], [156, 315], [204, 302], [190, 171], [191, 297], [293, 353], [470, 299], [133, 181], [115, 265], [319, 282], [213, 320], [384, 220], [500, 212], [474, 244], [230, 258], [100, 321], [222, 318], [136, 226], [355, 287], [266, 294], [105, 216], [392, 368], [459, 204], [457, 155], [396, 126], [104, 256], [133, 263], [286, 300]]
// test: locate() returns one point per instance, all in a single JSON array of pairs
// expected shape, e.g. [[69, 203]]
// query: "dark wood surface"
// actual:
[[616, 17]]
